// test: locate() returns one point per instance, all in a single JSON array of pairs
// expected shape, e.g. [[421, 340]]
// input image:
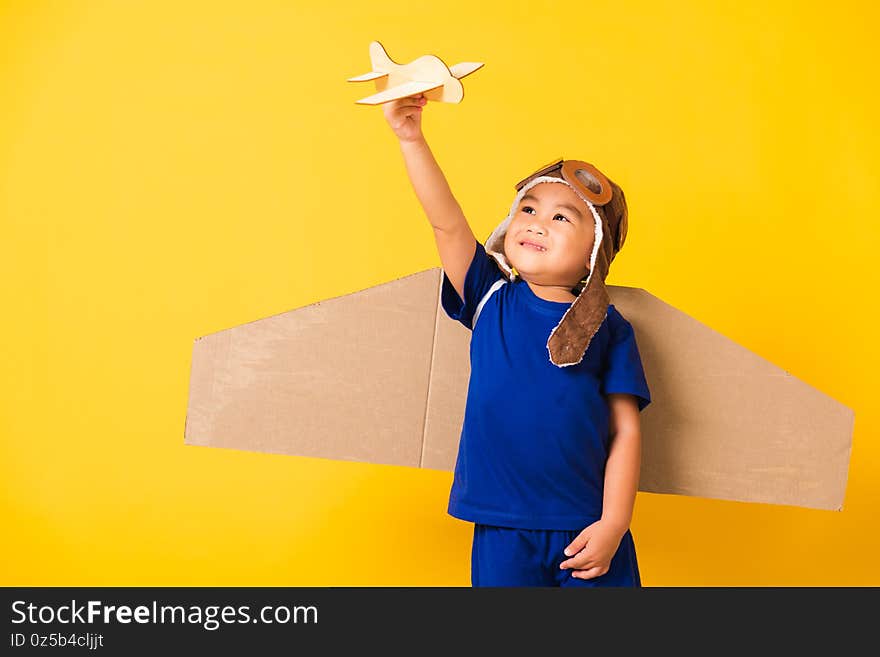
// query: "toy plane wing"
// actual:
[[338, 379], [399, 91], [427, 74]]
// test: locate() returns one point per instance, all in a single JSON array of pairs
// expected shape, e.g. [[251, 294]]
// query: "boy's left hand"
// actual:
[[591, 552]]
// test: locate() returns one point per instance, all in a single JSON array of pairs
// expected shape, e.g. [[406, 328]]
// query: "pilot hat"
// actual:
[[570, 338]]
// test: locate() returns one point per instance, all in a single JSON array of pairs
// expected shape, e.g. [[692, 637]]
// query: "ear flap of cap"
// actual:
[[570, 339]]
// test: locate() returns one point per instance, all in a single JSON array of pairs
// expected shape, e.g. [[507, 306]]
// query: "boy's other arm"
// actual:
[[591, 552], [622, 468], [456, 242]]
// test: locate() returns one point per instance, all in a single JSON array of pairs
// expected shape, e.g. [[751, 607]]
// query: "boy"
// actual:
[[548, 462]]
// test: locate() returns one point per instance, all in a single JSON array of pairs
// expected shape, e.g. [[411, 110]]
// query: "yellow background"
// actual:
[[171, 169]]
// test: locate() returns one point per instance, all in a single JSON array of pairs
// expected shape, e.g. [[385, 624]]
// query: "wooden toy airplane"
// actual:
[[427, 74]]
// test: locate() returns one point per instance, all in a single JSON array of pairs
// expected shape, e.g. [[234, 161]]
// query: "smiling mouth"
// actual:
[[532, 245]]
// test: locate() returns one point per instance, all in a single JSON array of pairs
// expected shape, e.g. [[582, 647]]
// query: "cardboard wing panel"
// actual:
[[344, 378], [381, 376], [725, 423], [447, 396]]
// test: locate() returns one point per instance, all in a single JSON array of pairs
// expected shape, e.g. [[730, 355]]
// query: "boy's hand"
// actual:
[[404, 115], [591, 552]]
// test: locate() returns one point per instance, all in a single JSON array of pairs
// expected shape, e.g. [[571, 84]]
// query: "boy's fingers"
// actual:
[[407, 101], [409, 107], [400, 111], [407, 111], [580, 561], [590, 573], [411, 101], [576, 545]]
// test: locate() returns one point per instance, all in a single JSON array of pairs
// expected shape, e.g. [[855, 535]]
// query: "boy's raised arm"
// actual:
[[455, 240]]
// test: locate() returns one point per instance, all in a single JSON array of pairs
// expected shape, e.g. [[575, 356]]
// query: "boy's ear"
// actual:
[[587, 274]]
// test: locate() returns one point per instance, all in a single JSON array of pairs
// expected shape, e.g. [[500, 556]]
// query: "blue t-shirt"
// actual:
[[535, 436]]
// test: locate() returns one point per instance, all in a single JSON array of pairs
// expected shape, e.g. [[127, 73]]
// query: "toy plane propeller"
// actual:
[[427, 74]]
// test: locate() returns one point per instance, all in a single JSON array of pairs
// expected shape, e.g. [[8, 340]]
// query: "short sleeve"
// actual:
[[482, 274], [623, 365]]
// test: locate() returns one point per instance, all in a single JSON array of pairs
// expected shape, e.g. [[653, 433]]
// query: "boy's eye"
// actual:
[[526, 209]]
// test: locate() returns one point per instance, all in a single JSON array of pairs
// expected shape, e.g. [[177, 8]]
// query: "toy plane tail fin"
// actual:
[[381, 62], [379, 58]]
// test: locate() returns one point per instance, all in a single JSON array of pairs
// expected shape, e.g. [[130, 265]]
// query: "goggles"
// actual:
[[584, 177]]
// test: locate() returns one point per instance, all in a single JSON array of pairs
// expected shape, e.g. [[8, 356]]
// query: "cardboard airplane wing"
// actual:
[[381, 376], [427, 74]]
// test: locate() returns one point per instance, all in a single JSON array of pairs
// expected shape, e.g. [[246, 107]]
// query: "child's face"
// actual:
[[554, 217]]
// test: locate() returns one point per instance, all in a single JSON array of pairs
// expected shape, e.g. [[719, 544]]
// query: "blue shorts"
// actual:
[[507, 556]]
